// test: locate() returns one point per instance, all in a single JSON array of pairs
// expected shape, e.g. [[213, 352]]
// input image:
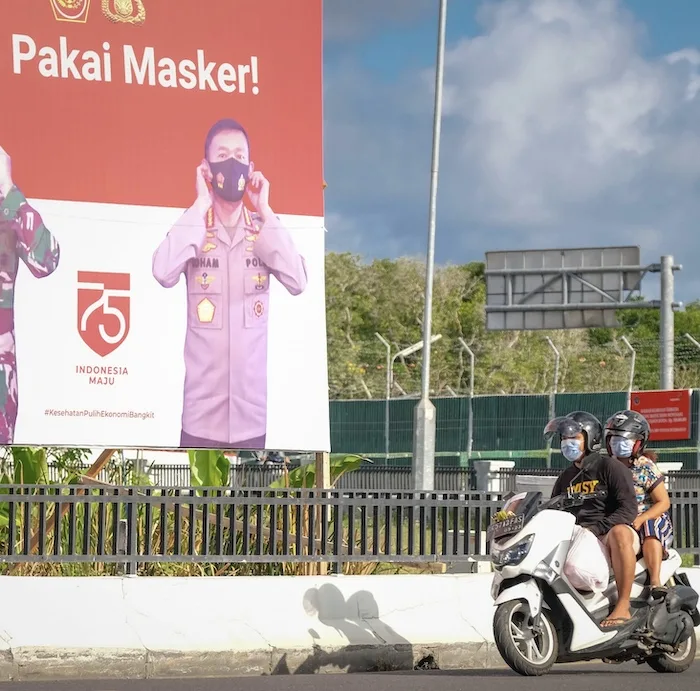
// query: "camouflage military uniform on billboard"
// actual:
[[24, 236]]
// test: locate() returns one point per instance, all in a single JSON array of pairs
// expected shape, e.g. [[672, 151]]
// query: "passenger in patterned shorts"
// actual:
[[626, 435]]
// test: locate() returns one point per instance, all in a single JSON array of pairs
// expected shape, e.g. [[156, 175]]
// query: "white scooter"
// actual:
[[541, 619]]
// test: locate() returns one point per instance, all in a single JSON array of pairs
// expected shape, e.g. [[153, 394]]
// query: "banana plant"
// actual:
[[30, 468], [305, 476], [208, 468]]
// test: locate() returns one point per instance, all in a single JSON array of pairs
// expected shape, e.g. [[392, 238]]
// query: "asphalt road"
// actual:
[[627, 677]]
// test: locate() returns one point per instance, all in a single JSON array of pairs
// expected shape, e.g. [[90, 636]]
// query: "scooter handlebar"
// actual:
[[564, 501]]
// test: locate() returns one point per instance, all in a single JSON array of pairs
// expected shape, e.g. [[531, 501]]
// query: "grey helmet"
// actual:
[[578, 422]]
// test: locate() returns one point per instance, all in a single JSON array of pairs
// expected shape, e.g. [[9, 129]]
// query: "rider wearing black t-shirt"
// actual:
[[601, 513], [608, 516]]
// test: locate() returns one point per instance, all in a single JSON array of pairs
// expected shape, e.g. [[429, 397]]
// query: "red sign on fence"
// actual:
[[668, 413]]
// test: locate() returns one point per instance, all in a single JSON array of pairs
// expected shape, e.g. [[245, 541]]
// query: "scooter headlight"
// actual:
[[512, 555]]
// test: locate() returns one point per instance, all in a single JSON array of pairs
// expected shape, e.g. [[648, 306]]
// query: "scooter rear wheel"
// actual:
[[524, 651], [680, 662]]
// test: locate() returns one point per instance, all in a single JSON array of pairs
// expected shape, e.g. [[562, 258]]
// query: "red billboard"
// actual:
[[668, 413], [162, 234]]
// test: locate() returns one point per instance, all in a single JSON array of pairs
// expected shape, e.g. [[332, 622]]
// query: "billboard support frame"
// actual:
[[626, 276]]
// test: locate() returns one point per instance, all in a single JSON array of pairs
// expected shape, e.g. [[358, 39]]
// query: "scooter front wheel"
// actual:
[[679, 661], [527, 651]]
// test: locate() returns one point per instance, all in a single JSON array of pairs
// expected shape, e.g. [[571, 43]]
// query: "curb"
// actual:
[[61, 664], [55, 664]]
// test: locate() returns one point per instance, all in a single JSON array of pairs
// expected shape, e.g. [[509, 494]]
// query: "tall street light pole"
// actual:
[[405, 353], [424, 424]]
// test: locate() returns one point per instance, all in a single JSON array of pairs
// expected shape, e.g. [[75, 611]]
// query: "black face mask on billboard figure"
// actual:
[[229, 179]]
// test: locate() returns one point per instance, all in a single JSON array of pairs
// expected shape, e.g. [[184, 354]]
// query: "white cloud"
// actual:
[[555, 107], [557, 131]]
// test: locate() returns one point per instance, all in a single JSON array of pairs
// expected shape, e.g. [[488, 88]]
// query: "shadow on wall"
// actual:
[[352, 637]]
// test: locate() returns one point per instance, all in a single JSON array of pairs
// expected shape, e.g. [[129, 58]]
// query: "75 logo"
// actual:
[[103, 310]]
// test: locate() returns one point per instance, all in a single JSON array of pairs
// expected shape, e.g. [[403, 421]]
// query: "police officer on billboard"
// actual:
[[228, 254], [24, 236]]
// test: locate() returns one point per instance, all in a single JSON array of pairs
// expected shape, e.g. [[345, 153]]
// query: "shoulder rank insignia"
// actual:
[[210, 218], [208, 247]]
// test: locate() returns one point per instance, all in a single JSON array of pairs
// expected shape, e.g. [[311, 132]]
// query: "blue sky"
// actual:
[[566, 123]]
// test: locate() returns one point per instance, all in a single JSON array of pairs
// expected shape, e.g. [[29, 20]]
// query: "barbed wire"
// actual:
[[510, 367]]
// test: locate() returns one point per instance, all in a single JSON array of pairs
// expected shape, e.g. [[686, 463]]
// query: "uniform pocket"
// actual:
[[256, 308], [257, 297], [205, 312], [205, 298]]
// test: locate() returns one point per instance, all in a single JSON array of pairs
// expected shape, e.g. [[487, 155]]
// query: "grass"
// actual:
[[688, 561]]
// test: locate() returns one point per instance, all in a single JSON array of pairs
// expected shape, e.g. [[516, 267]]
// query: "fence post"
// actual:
[[323, 482], [634, 359], [666, 333], [470, 419], [121, 540], [387, 395], [131, 541], [338, 530], [553, 396], [697, 393]]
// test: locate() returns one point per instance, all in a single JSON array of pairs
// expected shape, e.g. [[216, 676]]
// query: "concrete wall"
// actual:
[[136, 627]]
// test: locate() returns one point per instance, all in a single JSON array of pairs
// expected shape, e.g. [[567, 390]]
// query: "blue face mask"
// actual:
[[621, 447], [571, 449]]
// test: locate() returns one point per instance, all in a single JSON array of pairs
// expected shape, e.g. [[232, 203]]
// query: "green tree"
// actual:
[[386, 296]]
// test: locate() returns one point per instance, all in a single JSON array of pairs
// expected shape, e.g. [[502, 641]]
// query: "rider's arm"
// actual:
[[620, 485], [556, 490], [662, 503], [656, 490], [562, 481]]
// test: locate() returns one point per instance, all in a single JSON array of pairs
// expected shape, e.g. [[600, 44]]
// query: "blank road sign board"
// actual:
[[559, 288]]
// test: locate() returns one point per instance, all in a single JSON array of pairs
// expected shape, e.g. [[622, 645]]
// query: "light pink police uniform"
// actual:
[[228, 303]]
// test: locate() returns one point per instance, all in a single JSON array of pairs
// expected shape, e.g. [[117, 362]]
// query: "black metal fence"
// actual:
[[256, 531], [369, 477], [465, 479], [677, 480]]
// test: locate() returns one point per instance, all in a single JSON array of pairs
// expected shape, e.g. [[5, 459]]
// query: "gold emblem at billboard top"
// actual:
[[124, 11], [75, 11]]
